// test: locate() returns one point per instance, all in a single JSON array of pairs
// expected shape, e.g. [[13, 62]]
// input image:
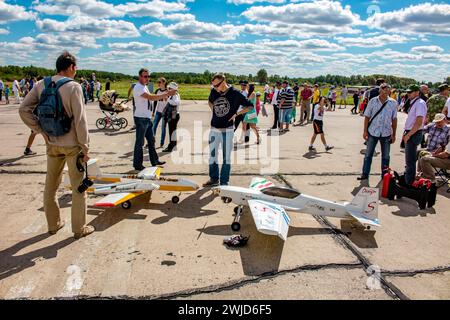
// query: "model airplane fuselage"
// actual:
[[121, 188], [267, 201]]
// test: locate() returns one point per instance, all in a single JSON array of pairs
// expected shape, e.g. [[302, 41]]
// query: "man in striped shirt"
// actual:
[[286, 102]]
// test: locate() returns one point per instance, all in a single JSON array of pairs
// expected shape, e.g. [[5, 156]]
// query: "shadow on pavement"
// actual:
[[11, 161], [11, 263]]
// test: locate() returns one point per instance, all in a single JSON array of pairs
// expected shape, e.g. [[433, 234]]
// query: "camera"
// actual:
[[86, 183]]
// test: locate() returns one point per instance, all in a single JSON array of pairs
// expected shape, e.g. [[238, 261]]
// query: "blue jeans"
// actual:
[[144, 130], [159, 117], [411, 156], [385, 150], [215, 139]]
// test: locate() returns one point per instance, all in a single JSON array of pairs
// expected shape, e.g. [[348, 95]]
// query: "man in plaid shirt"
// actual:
[[438, 132]]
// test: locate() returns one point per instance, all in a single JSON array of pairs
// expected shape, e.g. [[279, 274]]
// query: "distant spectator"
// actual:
[[2, 88], [98, 87], [305, 95], [274, 102], [436, 103], [424, 92], [355, 102], [318, 125], [16, 91], [107, 85], [286, 101], [343, 99], [7, 94], [266, 93], [375, 91]]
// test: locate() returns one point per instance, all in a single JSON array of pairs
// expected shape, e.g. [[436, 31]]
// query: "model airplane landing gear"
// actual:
[[126, 205], [175, 199], [236, 226], [226, 199]]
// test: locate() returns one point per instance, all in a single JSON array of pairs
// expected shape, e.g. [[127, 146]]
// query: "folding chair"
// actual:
[[444, 176]]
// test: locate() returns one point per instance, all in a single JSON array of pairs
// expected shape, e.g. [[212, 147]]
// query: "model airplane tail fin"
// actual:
[[364, 207], [260, 183]]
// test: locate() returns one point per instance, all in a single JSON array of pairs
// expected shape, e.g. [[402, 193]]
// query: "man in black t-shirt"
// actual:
[[224, 101]]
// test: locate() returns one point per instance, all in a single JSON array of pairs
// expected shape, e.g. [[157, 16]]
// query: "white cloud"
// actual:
[[10, 12], [192, 30], [134, 46], [427, 49], [4, 31], [373, 42], [424, 18], [238, 2], [100, 9], [319, 17], [100, 28]]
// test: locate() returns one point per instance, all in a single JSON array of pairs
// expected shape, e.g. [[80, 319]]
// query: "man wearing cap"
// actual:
[[274, 102], [413, 131], [424, 92], [438, 159], [380, 124], [436, 103], [438, 132]]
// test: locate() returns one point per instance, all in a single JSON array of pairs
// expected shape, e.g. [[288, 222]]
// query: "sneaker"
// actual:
[[87, 230], [328, 148], [60, 226], [311, 148], [160, 163], [211, 183], [362, 178], [167, 150], [139, 168], [236, 241], [28, 152]]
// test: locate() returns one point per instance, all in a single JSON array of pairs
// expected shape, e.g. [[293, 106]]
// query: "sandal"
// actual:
[[87, 230], [236, 241]]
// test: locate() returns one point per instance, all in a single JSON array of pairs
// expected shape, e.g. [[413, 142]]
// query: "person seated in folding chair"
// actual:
[[439, 158]]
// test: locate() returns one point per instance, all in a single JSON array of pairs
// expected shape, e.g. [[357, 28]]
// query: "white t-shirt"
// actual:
[[447, 107], [161, 104], [318, 115], [15, 87], [142, 104]]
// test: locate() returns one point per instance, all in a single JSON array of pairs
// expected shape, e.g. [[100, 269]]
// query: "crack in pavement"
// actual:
[[230, 285], [337, 234], [412, 273]]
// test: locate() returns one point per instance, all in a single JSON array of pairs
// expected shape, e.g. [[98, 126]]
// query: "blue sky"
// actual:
[[299, 38]]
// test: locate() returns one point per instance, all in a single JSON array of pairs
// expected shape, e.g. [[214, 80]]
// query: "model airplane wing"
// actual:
[[363, 220], [116, 199], [270, 219], [260, 183]]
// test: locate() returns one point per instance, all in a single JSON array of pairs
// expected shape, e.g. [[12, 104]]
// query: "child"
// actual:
[[7, 94], [318, 125], [251, 117]]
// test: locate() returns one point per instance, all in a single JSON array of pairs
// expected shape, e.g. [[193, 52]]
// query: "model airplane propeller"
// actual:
[[123, 188], [268, 202]]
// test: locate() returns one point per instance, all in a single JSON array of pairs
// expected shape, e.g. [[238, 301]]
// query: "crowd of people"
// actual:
[[231, 108]]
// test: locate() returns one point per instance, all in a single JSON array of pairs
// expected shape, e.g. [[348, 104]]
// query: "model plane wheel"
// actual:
[[226, 199], [236, 210], [368, 227], [175, 199], [235, 226], [126, 205]]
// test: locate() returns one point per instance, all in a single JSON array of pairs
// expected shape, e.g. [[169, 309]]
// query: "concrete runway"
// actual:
[[161, 250]]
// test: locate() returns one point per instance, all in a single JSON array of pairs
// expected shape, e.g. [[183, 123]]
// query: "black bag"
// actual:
[[169, 112]]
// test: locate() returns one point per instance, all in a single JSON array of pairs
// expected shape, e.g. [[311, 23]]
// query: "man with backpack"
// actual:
[[55, 109], [380, 124]]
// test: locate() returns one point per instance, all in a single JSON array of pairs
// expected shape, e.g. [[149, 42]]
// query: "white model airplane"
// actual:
[[123, 188], [268, 202]]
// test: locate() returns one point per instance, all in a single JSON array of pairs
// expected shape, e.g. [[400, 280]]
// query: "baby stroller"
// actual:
[[111, 109]]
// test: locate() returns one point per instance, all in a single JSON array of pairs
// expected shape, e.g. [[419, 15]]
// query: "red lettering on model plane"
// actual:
[[368, 191], [370, 207]]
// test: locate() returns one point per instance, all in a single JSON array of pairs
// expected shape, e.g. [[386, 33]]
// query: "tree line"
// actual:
[[8, 73]]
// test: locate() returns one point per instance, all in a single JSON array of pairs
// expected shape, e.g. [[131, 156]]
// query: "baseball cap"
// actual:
[[413, 88], [443, 87], [173, 86], [439, 117]]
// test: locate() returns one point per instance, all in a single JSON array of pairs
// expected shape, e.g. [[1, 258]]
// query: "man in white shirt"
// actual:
[[16, 90], [274, 102], [143, 121]]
